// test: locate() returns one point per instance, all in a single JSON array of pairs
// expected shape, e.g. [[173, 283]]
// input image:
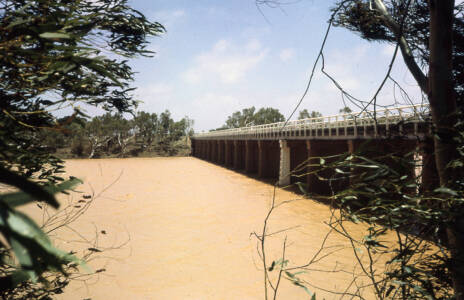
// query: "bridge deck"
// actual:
[[407, 121]]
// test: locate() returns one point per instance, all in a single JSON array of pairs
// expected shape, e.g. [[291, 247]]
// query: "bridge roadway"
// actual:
[[274, 150]]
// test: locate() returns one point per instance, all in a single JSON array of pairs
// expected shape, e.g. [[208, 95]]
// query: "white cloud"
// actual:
[[287, 54], [211, 109], [160, 92], [225, 61]]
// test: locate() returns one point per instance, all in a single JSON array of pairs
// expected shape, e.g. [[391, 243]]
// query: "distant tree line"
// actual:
[[251, 117], [113, 135]]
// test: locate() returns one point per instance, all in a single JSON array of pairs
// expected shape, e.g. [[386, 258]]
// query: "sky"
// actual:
[[218, 57]]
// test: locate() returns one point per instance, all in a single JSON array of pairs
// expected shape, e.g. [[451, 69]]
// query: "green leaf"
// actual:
[[303, 187], [29, 187], [297, 283], [54, 35], [25, 260], [32, 247], [19, 21], [21, 198], [289, 274], [446, 190], [271, 268]]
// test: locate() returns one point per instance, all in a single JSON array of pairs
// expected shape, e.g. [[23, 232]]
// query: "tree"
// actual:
[[53, 54], [241, 119], [165, 125], [424, 33], [188, 127], [390, 24], [345, 110], [304, 114], [146, 127], [248, 117], [267, 115], [120, 130], [430, 36]]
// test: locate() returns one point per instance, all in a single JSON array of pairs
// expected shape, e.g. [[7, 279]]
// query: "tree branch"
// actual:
[[408, 57]]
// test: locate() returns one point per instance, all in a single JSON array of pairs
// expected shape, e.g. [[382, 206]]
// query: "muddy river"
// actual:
[[179, 228]]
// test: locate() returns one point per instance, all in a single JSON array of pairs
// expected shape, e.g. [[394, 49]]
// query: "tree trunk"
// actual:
[[443, 108], [93, 145]]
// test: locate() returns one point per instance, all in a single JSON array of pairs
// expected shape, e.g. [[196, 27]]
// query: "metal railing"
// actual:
[[350, 124]]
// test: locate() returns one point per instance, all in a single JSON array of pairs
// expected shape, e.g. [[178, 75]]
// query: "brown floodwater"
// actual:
[[179, 228]]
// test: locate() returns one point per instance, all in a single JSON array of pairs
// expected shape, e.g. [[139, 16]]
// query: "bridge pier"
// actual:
[[204, 149], [276, 159], [221, 152], [298, 156], [268, 159], [239, 155], [209, 150], [229, 153], [214, 151], [285, 162], [251, 156]]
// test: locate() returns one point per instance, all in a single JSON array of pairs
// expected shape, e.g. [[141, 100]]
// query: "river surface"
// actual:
[[179, 228]]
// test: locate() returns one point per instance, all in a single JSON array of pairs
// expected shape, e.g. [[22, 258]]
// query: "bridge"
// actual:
[[274, 150]]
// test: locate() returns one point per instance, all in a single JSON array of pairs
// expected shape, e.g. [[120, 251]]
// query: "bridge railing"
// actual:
[[336, 125]]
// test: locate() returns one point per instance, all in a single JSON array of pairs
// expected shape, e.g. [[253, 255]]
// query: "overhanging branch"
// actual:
[[408, 57]]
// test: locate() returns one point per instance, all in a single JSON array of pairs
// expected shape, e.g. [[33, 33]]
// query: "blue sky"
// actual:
[[218, 57]]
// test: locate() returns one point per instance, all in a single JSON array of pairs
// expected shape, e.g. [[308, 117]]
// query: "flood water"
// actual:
[[179, 228]]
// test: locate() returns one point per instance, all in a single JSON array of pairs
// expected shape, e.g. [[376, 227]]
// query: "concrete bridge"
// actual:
[[274, 150]]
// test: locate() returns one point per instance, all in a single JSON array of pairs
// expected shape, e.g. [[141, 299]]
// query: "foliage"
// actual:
[[241, 119], [385, 193], [248, 117], [267, 115], [304, 114], [345, 110], [425, 261], [55, 54], [114, 135], [359, 17]]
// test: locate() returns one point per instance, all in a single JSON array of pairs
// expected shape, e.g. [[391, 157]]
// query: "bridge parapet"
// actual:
[[399, 121]]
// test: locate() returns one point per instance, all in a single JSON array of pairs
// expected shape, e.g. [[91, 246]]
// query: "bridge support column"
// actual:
[[268, 159], [284, 170], [221, 152], [239, 155], [203, 149], [209, 150], [236, 154], [298, 160], [229, 153], [251, 156], [214, 151]]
